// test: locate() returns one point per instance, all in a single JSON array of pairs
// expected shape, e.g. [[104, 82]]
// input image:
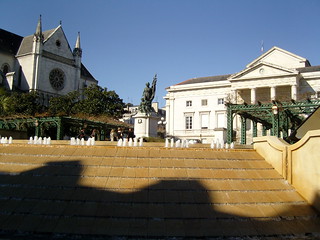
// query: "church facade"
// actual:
[[42, 62], [196, 108]]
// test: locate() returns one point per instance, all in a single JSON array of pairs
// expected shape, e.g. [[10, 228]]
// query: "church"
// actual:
[[197, 108], [42, 62]]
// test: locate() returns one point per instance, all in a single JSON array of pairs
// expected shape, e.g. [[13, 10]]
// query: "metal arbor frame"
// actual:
[[60, 123], [276, 116]]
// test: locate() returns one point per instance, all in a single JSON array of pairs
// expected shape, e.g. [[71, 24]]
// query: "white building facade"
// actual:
[[42, 62], [196, 108]]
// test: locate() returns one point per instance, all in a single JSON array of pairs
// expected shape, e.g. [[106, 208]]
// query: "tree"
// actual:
[[64, 105], [22, 103], [97, 101], [4, 101], [114, 104], [100, 101]]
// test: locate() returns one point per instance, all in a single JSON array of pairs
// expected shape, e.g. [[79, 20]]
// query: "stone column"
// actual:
[[294, 89], [253, 95], [273, 93]]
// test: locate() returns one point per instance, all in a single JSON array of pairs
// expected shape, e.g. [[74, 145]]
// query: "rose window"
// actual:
[[56, 78]]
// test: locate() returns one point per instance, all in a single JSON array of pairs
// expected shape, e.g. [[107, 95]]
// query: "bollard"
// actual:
[[178, 144], [212, 145]]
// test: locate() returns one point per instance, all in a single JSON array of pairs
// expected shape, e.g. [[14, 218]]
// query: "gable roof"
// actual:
[[9, 42], [277, 49], [27, 42]]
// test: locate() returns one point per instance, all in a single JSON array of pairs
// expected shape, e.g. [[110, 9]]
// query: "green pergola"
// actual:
[[59, 126], [277, 116]]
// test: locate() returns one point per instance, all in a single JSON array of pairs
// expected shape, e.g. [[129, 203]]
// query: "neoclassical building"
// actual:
[[196, 108], [42, 62]]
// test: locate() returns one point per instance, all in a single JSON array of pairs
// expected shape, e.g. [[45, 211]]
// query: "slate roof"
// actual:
[[309, 69], [85, 73], [26, 45], [9, 42], [205, 79]]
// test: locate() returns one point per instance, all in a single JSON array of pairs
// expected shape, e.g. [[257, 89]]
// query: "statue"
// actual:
[[148, 96]]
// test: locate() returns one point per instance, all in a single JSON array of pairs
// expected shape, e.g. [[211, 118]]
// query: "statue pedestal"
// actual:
[[145, 125]]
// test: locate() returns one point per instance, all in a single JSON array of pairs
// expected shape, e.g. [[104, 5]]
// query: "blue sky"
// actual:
[[125, 42]]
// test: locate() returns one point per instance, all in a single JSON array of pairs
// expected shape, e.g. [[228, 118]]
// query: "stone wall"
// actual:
[[299, 163]]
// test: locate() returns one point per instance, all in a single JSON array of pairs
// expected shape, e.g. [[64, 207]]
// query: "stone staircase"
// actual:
[[80, 192]]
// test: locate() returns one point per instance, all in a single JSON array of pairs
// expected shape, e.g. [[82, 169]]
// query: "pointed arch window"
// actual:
[[5, 68]]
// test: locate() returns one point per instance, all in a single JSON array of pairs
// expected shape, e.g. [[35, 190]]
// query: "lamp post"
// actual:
[[162, 123]]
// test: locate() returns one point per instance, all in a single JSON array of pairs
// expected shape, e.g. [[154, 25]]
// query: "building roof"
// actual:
[[27, 42], [85, 73], [226, 77], [9, 42], [205, 79], [17, 45], [256, 62], [309, 69]]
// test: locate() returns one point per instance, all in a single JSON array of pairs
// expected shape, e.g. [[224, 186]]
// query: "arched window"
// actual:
[[5, 68]]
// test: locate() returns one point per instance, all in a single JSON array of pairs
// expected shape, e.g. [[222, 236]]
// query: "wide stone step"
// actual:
[[133, 152], [146, 193]]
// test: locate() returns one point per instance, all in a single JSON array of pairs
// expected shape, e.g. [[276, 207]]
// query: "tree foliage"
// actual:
[[96, 101], [64, 105], [100, 101], [20, 103]]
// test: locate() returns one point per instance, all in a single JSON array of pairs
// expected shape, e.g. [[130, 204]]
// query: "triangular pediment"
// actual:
[[57, 43], [262, 70], [282, 58]]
